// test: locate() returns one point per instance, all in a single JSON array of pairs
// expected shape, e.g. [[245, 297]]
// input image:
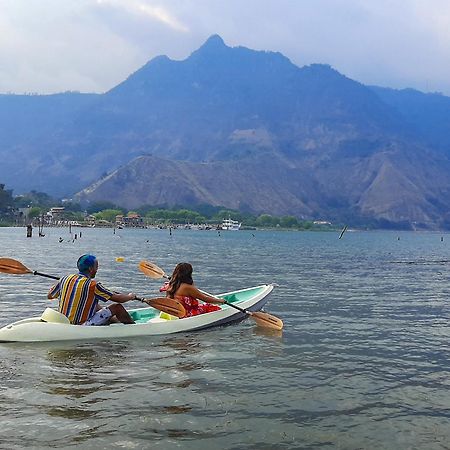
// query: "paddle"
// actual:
[[261, 318], [167, 305], [343, 231], [152, 270], [14, 267]]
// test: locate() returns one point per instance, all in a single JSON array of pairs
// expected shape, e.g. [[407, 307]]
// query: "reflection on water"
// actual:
[[361, 363], [185, 344], [67, 412], [275, 335], [78, 380]]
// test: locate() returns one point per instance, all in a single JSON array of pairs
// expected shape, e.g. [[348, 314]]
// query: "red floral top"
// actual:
[[192, 306]]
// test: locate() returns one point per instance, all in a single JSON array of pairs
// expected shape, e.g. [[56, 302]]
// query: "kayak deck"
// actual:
[[144, 315]]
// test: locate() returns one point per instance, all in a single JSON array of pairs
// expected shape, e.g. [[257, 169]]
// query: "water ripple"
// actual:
[[362, 361]]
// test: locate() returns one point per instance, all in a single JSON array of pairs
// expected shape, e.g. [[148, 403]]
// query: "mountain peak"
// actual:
[[212, 46], [214, 42]]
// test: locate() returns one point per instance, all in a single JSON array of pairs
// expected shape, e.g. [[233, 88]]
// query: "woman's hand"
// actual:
[[214, 300]]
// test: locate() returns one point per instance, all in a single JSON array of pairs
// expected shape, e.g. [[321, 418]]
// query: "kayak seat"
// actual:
[[164, 315], [52, 316], [143, 315], [230, 298]]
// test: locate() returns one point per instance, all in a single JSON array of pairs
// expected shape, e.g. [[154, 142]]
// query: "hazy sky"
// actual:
[[92, 45]]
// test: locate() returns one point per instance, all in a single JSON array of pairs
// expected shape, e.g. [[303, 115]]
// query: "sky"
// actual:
[[49, 46]]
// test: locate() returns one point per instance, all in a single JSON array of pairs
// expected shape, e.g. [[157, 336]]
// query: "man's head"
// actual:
[[88, 265]]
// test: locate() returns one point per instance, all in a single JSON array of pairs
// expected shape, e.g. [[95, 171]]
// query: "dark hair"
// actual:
[[181, 274]]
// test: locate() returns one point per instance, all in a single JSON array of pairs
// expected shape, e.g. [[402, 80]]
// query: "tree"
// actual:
[[35, 211], [101, 206], [187, 216], [266, 220], [35, 198], [306, 225], [77, 216], [108, 215], [227, 214], [288, 222], [72, 207], [6, 198]]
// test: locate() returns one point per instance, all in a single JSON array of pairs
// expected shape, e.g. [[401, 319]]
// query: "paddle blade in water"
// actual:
[[267, 320], [12, 266], [151, 270], [167, 305]]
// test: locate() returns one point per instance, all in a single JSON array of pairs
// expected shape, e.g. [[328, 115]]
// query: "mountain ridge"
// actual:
[[323, 144]]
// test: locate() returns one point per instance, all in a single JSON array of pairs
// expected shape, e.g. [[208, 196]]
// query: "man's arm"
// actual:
[[105, 294], [122, 298], [54, 291]]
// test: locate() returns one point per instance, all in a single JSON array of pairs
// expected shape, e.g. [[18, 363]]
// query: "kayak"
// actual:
[[53, 326]]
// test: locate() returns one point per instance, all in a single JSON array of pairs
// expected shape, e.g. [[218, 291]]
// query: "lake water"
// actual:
[[362, 363]]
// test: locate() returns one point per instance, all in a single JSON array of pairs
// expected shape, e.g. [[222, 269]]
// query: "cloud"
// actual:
[[92, 45], [154, 12]]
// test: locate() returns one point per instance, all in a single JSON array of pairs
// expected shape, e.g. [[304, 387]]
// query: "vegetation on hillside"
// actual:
[[6, 205], [38, 203], [208, 214]]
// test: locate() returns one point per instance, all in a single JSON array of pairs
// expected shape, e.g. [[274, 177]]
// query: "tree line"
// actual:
[[40, 202], [201, 214]]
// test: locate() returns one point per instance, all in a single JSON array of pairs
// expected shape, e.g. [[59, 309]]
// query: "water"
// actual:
[[361, 363]]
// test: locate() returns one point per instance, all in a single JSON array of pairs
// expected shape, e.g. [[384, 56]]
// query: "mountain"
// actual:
[[427, 114], [387, 189], [34, 145], [244, 129]]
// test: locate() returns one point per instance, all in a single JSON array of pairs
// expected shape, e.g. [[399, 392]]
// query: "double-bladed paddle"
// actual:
[[262, 319], [14, 267], [152, 270], [165, 304]]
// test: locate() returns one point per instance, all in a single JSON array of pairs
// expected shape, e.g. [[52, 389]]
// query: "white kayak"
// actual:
[[53, 326]]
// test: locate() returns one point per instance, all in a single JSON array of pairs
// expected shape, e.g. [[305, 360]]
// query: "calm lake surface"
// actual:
[[362, 363]]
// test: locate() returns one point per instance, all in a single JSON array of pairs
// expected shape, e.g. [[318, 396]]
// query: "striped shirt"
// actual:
[[79, 296]]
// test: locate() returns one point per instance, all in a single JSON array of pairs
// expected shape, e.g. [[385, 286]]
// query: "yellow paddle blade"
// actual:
[[167, 305], [267, 320], [12, 266], [151, 270]]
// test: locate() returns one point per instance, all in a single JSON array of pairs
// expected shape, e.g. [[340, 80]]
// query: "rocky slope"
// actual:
[[242, 129]]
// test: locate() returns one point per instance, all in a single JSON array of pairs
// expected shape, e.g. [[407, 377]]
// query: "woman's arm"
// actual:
[[192, 291]]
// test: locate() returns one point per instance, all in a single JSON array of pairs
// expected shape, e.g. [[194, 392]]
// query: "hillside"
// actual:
[[242, 129]]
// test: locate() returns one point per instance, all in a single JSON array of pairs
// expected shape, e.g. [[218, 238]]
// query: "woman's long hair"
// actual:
[[181, 274]]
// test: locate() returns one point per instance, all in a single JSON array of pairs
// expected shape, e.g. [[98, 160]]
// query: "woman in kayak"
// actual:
[[181, 287]]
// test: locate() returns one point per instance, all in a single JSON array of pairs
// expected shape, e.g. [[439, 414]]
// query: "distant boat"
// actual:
[[229, 224]]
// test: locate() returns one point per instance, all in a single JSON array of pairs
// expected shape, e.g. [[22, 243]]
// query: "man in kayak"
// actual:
[[79, 296]]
